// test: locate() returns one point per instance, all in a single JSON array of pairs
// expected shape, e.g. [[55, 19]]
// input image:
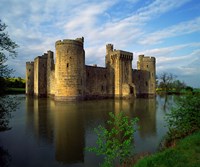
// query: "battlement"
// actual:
[[80, 39], [77, 41], [109, 48], [30, 63], [50, 54], [109, 45], [146, 58], [122, 55]]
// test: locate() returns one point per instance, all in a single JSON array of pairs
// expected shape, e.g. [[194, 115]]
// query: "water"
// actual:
[[48, 133]]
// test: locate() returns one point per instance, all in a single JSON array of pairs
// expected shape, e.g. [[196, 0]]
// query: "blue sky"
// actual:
[[166, 29]]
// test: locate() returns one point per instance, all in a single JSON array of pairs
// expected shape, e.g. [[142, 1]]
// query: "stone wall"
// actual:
[[52, 83], [96, 82], [141, 82], [50, 68]]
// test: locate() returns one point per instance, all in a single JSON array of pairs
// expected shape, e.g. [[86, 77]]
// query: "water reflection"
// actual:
[[69, 133], [39, 119], [68, 127], [145, 109]]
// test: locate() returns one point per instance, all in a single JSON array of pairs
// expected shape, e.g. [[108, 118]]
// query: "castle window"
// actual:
[[29, 70], [102, 88], [28, 77], [67, 65], [88, 74], [105, 75], [147, 66], [146, 83]]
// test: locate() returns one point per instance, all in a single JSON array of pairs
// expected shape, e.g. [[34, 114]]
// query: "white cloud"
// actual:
[[36, 25], [182, 28]]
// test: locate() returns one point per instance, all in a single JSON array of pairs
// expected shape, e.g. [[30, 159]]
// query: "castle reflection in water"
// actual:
[[68, 126]]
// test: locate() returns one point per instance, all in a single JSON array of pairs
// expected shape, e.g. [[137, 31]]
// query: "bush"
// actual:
[[184, 119], [115, 142]]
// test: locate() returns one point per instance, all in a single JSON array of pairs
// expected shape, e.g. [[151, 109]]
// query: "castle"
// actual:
[[70, 79]]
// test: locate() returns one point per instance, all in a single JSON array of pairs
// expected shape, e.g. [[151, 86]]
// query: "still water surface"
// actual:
[[49, 133]]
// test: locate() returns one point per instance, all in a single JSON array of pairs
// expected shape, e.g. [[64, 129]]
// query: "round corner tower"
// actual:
[[148, 64], [70, 69]]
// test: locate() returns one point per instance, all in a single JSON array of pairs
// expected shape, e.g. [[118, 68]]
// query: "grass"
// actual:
[[15, 91], [185, 154]]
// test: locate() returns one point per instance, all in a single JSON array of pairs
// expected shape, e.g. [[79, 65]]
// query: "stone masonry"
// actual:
[[70, 79]]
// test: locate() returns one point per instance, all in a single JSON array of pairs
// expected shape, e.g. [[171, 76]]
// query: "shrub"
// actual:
[[185, 117], [116, 141]]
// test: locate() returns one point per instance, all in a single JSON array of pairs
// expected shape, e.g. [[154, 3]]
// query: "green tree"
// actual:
[[115, 142], [185, 117], [7, 48]]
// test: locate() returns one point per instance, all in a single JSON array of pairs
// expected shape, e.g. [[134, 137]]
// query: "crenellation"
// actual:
[[69, 78]]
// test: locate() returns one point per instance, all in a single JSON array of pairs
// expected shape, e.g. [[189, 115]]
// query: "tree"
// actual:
[[7, 48], [115, 141], [184, 117], [178, 85], [166, 81]]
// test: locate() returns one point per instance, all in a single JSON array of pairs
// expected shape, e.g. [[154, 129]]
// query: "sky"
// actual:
[[166, 29]]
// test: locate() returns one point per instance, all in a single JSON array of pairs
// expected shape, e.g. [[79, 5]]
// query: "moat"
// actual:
[[49, 133]]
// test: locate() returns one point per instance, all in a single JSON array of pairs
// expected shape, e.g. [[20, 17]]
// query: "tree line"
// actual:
[[15, 82], [168, 82]]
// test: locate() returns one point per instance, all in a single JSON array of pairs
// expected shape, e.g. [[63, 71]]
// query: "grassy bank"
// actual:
[[180, 92], [186, 153], [15, 91]]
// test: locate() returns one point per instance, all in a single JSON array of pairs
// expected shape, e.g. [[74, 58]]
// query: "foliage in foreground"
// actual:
[[186, 153], [7, 105], [184, 119], [7, 48], [115, 142]]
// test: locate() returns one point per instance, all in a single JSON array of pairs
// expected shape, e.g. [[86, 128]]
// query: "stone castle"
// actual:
[[70, 79]]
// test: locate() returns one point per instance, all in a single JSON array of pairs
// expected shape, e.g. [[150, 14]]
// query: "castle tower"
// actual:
[[120, 66], [70, 69], [122, 63], [147, 64], [40, 76], [29, 78], [109, 50]]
